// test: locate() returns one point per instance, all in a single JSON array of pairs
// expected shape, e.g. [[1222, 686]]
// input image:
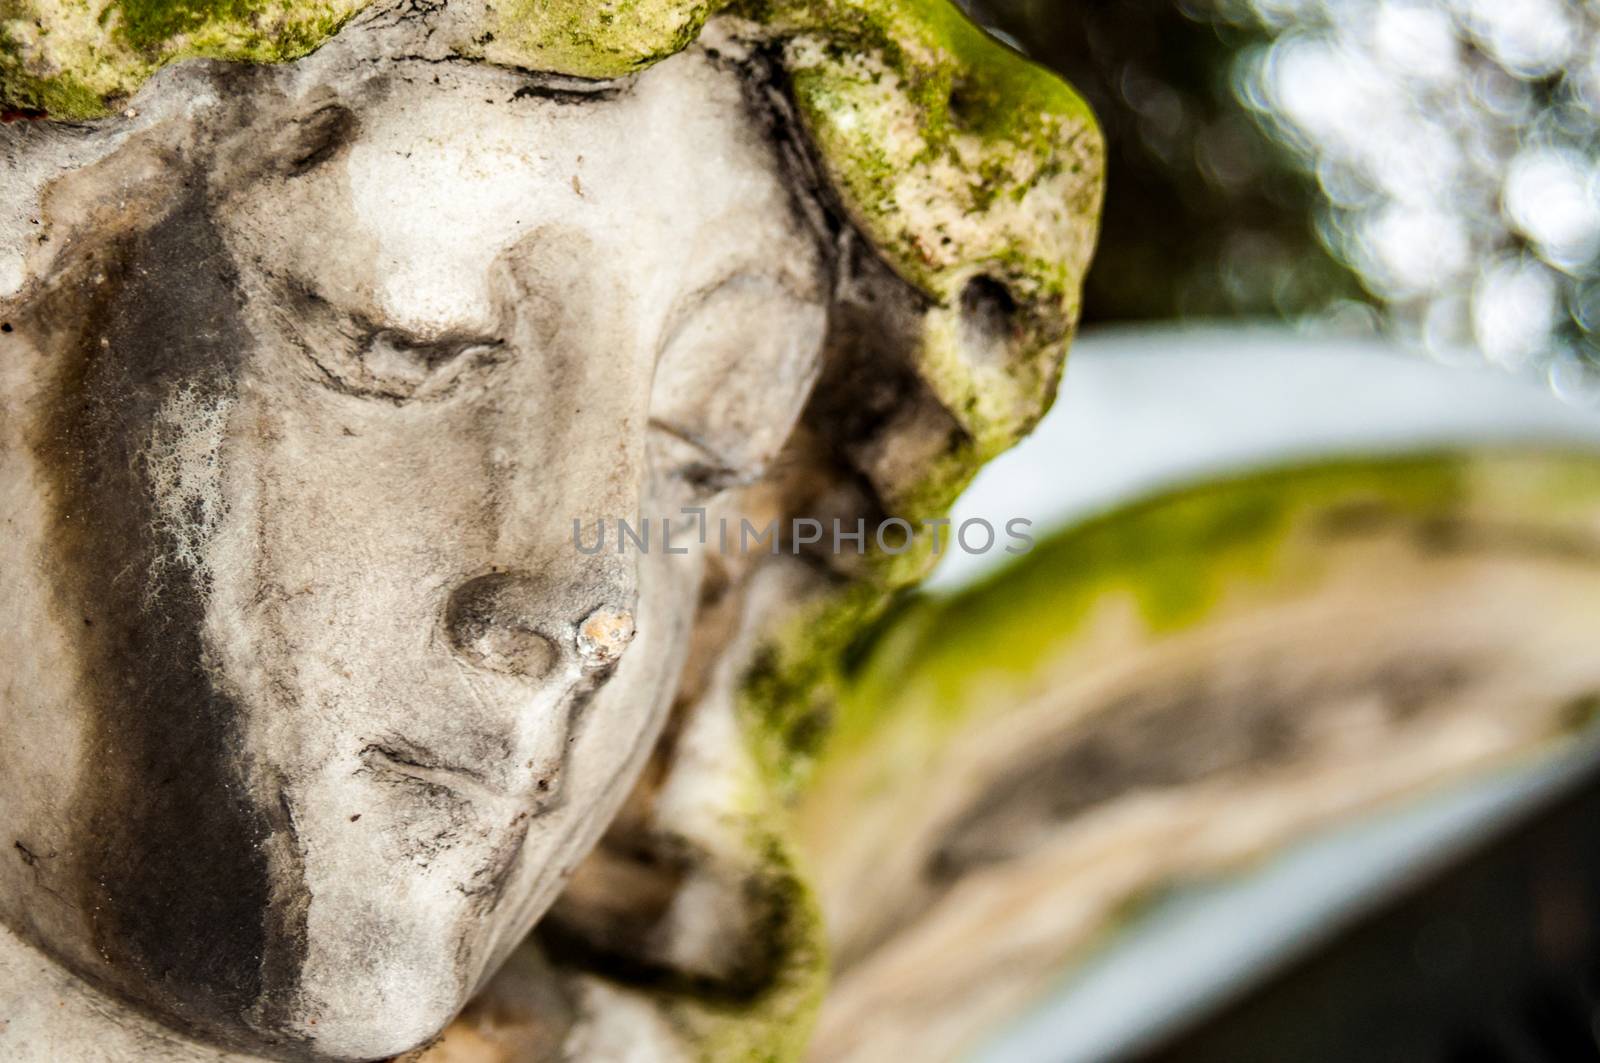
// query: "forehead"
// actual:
[[488, 148], [672, 173]]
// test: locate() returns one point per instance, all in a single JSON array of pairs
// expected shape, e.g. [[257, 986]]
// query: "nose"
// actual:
[[506, 623], [531, 659], [491, 623]]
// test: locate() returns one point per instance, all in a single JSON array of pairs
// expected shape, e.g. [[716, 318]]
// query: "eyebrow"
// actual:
[[570, 90]]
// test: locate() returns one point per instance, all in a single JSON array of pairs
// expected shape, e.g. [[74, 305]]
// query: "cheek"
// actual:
[[626, 717], [337, 544], [343, 500], [612, 742]]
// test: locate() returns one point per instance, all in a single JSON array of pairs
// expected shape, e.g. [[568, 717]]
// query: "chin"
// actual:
[[385, 1010], [392, 949], [360, 1039]]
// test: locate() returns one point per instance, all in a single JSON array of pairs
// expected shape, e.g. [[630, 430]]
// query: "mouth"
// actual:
[[399, 759]]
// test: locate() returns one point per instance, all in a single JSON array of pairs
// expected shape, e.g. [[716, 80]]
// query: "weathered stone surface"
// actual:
[[1224, 671], [315, 346]]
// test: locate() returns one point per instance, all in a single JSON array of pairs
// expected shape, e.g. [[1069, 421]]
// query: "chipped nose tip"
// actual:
[[603, 635]]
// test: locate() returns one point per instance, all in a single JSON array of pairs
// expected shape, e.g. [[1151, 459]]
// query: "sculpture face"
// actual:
[[317, 701]]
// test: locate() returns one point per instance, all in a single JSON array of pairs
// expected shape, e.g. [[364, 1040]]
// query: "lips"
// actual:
[[399, 758]]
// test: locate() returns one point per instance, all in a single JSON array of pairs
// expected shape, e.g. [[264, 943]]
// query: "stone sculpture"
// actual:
[[323, 327]]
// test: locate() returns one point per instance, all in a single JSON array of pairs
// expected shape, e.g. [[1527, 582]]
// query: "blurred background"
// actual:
[[1421, 168], [1364, 232]]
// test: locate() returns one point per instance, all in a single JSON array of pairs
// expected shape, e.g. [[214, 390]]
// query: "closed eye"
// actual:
[[696, 463], [357, 356], [399, 363]]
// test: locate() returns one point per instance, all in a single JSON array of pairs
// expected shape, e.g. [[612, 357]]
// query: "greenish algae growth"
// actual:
[[588, 39], [937, 669], [77, 59], [887, 83], [767, 1011], [788, 697], [907, 104], [1173, 556], [775, 1026], [961, 161], [146, 25]]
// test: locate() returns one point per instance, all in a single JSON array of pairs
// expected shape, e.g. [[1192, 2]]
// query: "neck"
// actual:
[[47, 1013]]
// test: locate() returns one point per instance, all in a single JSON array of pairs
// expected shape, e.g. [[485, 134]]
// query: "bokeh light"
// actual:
[[1453, 142], [1426, 167]]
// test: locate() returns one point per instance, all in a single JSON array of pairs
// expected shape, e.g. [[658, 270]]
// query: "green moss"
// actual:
[[583, 38], [77, 59], [959, 159], [63, 96], [147, 25], [1174, 557], [787, 697], [764, 1010], [1582, 712], [776, 1026], [922, 674]]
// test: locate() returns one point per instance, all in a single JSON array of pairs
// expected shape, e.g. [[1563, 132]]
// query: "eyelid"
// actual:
[[718, 473], [358, 356], [432, 351]]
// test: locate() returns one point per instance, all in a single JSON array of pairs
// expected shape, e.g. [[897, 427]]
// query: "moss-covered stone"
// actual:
[[588, 39], [833, 674], [1171, 692], [1176, 557], [789, 693], [75, 59], [776, 1025], [978, 177], [975, 173]]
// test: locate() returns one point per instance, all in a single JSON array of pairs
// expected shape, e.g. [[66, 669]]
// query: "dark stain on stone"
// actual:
[[567, 90], [1452, 535], [1357, 519], [620, 929], [172, 865], [315, 138], [285, 933]]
